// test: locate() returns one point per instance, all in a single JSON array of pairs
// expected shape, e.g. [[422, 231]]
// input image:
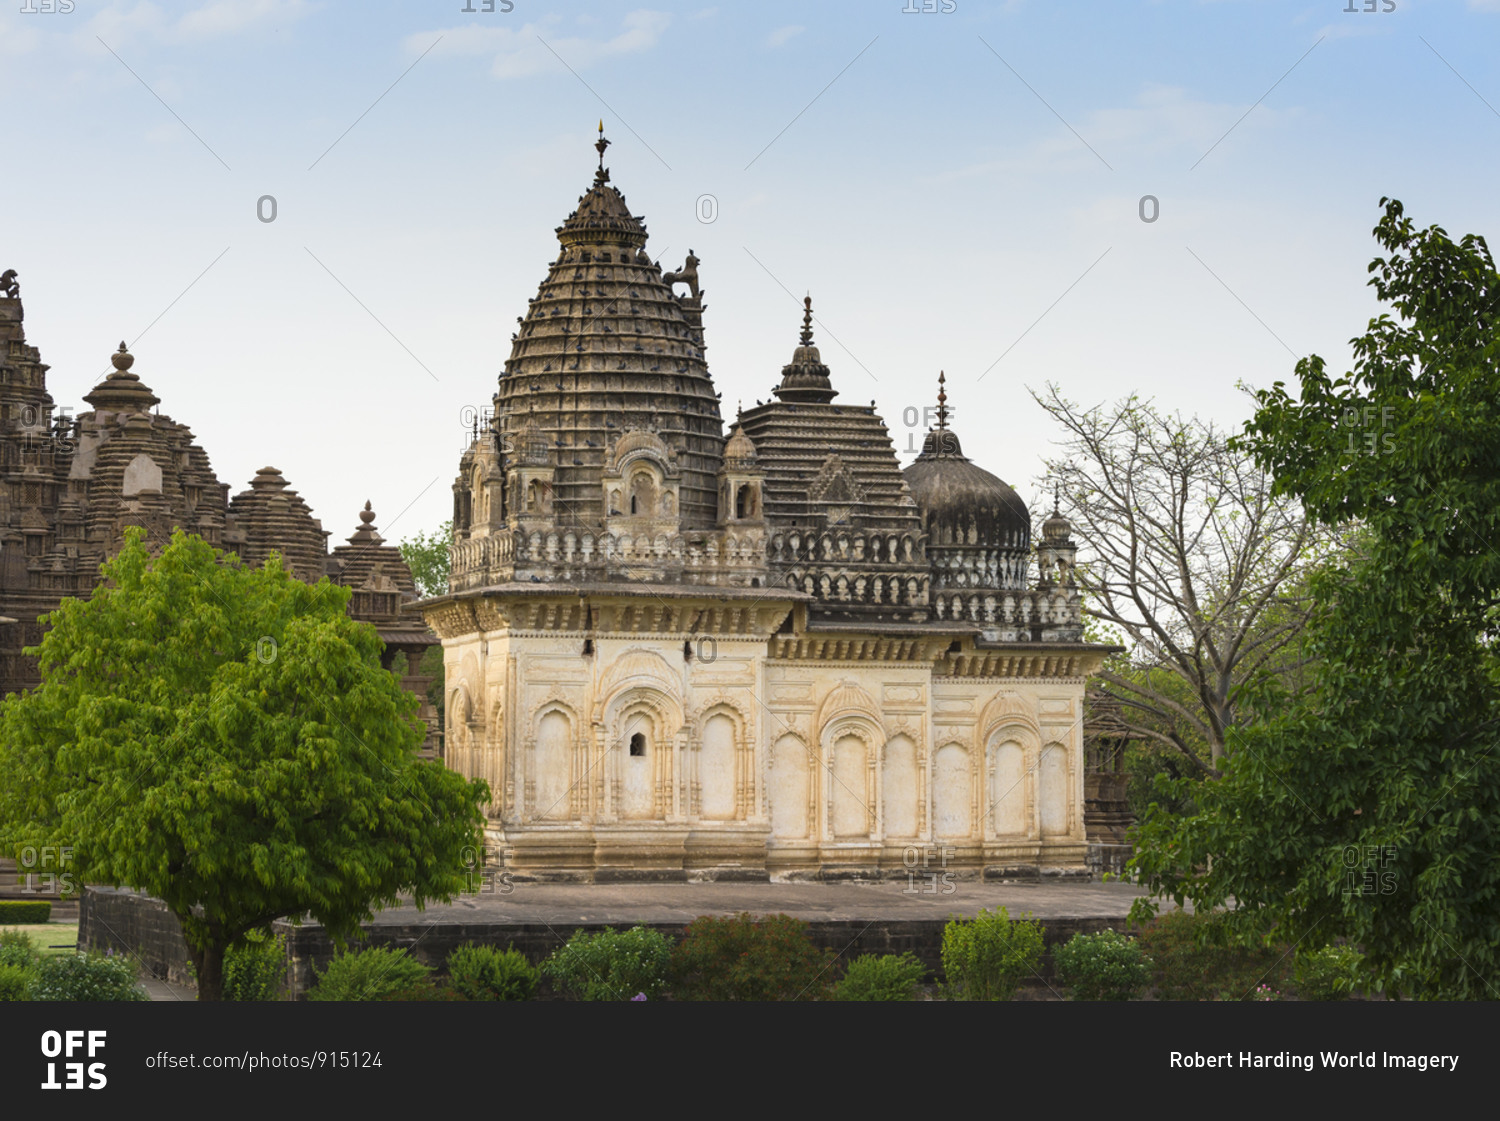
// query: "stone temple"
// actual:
[[678, 653], [69, 486]]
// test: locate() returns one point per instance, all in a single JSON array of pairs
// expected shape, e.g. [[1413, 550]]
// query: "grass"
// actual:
[[61, 935]]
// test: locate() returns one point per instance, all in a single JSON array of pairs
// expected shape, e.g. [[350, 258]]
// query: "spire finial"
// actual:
[[942, 402], [1056, 497], [599, 145], [807, 320]]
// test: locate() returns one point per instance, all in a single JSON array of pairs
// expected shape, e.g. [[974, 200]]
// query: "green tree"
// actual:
[[225, 739], [1370, 809], [426, 554]]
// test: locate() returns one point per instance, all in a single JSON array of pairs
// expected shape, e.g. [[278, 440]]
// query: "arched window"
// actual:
[[638, 745], [643, 493]]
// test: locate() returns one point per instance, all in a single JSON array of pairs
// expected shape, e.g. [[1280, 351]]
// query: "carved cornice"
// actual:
[[921, 649]]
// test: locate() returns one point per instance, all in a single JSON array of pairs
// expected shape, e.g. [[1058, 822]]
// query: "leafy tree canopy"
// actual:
[[426, 554], [225, 739], [1370, 808]]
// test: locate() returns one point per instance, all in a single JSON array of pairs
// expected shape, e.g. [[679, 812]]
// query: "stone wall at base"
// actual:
[[309, 946], [131, 922], [135, 923]]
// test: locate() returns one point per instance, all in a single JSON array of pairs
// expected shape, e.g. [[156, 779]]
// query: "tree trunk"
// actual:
[[208, 963]]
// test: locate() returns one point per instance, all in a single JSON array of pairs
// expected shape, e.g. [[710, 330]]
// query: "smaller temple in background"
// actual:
[[1106, 807], [70, 485]]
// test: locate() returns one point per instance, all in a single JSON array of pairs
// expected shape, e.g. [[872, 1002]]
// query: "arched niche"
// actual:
[[637, 751], [787, 789], [1053, 784], [552, 766], [952, 793], [718, 778], [1008, 814], [899, 785], [849, 797]]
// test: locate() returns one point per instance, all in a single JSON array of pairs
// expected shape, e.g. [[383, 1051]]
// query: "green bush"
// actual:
[[369, 974], [255, 970], [881, 977], [988, 958], [24, 911], [1194, 958], [18, 948], [741, 958], [14, 980], [488, 973], [92, 976], [1327, 974], [611, 964], [1104, 966]]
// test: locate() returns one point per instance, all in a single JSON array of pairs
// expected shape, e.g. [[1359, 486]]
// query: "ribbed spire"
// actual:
[[942, 402]]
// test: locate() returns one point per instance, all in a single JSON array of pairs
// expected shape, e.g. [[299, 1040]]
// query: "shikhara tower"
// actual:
[[678, 652]]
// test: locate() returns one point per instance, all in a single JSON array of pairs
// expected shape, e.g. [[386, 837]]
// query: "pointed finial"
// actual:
[[1056, 498], [807, 320], [942, 402], [599, 145]]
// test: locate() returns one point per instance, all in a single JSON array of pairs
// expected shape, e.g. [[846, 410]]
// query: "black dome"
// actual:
[[962, 504]]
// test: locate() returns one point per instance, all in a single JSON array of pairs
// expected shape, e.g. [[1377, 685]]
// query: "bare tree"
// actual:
[[1185, 553]]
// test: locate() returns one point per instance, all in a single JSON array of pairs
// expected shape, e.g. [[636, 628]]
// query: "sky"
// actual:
[[315, 224]]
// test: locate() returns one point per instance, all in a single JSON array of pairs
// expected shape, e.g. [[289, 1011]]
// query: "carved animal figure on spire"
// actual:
[[9, 286], [688, 275]]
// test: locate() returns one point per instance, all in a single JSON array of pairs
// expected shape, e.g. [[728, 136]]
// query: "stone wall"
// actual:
[[309, 946], [134, 923]]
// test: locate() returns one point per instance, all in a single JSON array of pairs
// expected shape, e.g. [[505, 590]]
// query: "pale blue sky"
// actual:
[[959, 190]]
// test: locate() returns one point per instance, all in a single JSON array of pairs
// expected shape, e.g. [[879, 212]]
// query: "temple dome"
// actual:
[[739, 451], [961, 503], [805, 378]]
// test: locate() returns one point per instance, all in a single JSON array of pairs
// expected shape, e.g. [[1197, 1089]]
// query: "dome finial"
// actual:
[[807, 320], [942, 402], [601, 176]]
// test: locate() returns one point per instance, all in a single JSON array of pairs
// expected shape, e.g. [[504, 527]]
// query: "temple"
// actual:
[[69, 486], [677, 652]]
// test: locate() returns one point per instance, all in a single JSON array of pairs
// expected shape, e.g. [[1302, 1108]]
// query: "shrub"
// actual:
[[740, 958], [255, 970], [1104, 966], [1327, 974], [91, 976], [988, 957], [369, 974], [18, 948], [13, 981], [1194, 959], [24, 911], [881, 977], [487, 973], [611, 964]]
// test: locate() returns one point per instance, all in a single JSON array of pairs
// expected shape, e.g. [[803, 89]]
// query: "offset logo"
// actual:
[[68, 1044]]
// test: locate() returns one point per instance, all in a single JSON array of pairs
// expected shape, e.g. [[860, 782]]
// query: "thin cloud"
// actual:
[[518, 51], [783, 35]]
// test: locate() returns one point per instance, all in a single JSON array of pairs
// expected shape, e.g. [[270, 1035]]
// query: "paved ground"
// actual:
[[925, 896]]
